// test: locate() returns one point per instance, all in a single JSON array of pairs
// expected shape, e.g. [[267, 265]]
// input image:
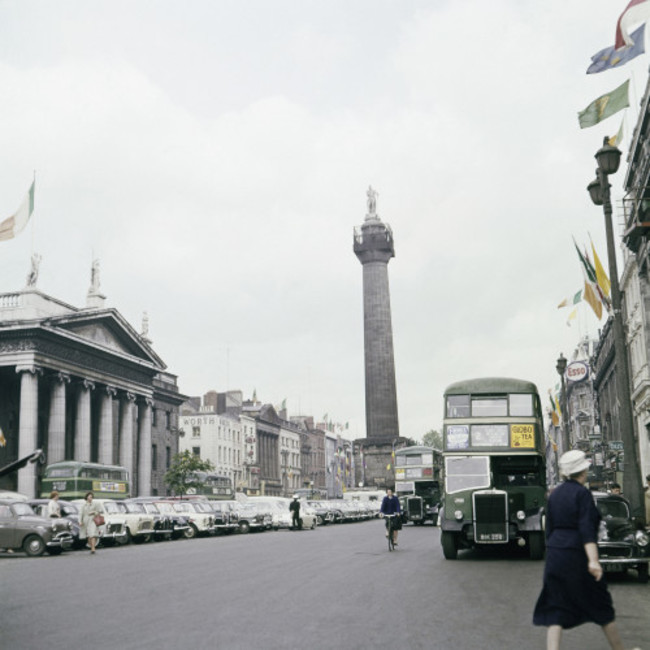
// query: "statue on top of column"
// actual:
[[32, 278], [145, 328], [372, 200], [94, 277]]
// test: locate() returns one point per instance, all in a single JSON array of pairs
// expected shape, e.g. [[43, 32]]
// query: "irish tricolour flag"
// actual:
[[11, 226]]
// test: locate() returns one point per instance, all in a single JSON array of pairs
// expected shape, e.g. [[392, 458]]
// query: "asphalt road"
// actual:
[[334, 587]]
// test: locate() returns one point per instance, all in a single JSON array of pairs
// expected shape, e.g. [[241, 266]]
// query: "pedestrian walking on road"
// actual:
[[294, 508], [53, 507], [574, 590], [87, 526]]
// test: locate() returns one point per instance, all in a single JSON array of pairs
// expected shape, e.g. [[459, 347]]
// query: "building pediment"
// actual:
[[106, 329]]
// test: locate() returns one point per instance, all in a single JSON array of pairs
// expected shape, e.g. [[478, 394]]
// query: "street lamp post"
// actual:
[[561, 370], [609, 158]]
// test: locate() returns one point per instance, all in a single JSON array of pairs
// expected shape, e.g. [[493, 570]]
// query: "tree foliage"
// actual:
[[432, 439], [181, 474]]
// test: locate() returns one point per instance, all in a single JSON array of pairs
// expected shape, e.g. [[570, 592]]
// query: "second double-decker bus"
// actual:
[[73, 479], [417, 483], [211, 486], [494, 466]]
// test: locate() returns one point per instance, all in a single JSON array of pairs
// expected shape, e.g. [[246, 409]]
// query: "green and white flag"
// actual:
[[605, 106], [11, 226]]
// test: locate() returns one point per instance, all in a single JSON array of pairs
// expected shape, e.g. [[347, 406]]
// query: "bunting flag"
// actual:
[[601, 276], [604, 298], [571, 301], [590, 293], [11, 226], [615, 140], [3, 440], [610, 57], [555, 418], [605, 106], [637, 11], [572, 315]]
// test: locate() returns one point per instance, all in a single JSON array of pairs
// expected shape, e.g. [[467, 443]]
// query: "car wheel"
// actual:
[[124, 539], [536, 546], [244, 527], [449, 546], [313, 524], [191, 532], [34, 546], [642, 573]]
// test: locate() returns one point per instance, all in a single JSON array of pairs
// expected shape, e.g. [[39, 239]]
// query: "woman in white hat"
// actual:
[[574, 590]]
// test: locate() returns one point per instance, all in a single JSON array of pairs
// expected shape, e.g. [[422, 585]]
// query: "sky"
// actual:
[[215, 157]]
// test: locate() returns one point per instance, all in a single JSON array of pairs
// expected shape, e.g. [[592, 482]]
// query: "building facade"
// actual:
[[82, 384]]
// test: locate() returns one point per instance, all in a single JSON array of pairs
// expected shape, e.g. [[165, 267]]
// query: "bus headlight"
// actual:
[[521, 515], [641, 538], [458, 514]]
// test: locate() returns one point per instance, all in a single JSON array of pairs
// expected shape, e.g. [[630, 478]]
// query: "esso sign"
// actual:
[[577, 371]]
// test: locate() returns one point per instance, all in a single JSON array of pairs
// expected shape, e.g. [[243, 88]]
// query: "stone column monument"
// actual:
[[373, 245]]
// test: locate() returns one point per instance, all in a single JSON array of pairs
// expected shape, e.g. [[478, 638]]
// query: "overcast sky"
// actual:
[[215, 156]]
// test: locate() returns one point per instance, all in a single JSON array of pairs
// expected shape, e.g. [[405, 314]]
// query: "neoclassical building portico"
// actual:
[[82, 384]]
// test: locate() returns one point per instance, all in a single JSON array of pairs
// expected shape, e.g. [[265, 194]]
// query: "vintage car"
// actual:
[[22, 528], [139, 522], [69, 511], [225, 519], [200, 516], [323, 513], [167, 523], [621, 544], [280, 513], [249, 517], [114, 530]]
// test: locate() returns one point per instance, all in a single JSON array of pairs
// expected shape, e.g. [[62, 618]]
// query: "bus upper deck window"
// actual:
[[490, 407], [521, 405], [458, 406]]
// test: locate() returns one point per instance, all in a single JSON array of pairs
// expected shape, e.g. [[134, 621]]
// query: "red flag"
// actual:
[[637, 11]]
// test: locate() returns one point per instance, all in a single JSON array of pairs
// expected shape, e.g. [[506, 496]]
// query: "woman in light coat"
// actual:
[[88, 527]]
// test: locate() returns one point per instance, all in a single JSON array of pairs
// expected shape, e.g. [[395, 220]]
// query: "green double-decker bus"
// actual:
[[72, 479], [494, 466]]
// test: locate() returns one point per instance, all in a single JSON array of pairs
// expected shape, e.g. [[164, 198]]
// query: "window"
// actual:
[[154, 417], [168, 457], [458, 406], [490, 407], [168, 420], [196, 451], [521, 405], [196, 432], [154, 457], [467, 472]]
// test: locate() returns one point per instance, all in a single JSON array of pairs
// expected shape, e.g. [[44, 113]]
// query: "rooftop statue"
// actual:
[[372, 200], [32, 278]]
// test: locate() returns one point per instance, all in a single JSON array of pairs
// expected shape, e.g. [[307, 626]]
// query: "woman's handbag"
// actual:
[[99, 520]]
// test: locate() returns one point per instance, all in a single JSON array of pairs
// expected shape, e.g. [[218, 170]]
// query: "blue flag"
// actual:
[[612, 58]]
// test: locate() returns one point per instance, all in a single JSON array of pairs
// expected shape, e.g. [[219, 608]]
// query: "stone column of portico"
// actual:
[[126, 431], [56, 423], [82, 421], [144, 449], [28, 426], [105, 450]]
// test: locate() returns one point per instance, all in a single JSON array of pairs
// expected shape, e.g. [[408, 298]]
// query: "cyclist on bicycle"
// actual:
[[390, 506]]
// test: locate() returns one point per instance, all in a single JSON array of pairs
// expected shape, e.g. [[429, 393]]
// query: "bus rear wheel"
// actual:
[[449, 545]]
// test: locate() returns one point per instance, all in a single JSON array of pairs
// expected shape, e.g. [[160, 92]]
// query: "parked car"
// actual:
[[69, 511], [281, 515], [168, 524], [114, 530], [621, 544], [139, 522], [249, 517], [21, 528], [200, 516], [225, 519], [323, 513]]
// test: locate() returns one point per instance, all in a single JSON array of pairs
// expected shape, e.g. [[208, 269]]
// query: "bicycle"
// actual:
[[390, 526]]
